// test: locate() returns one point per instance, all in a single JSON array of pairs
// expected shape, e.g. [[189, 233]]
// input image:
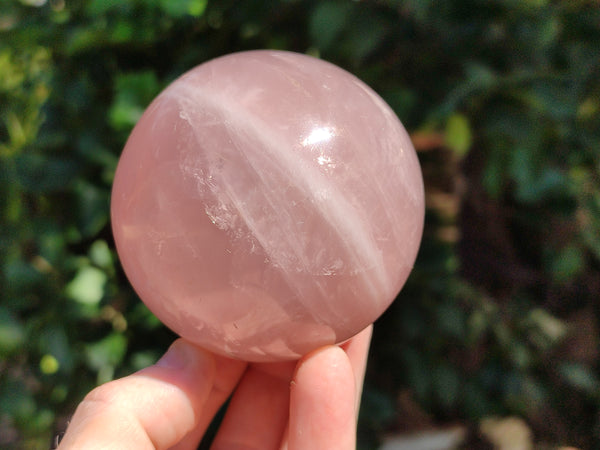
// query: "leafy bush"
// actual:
[[500, 315]]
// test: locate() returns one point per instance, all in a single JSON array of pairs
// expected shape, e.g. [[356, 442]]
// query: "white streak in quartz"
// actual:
[[397, 153], [349, 223]]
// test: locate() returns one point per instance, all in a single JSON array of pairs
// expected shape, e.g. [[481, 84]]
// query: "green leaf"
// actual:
[[124, 115], [16, 399], [458, 134], [100, 254], [122, 32], [569, 263], [327, 21], [580, 377], [376, 407], [179, 8], [53, 341], [590, 222], [142, 359], [548, 329], [550, 183], [39, 173], [534, 392], [36, 3], [107, 352], [12, 333], [536, 3], [477, 324], [520, 355], [134, 91], [93, 206], [367, 33], [143, 318], [49, 365], [555, 100], [419, 9], [476, 400], [479, 76], [50, 240], [196, 8], [418, 372], [493, 176], [41, 421], [402, 100], [12, 74], [451, 319], [97, 8], [21, 276], [82, 38], [88, 286], [446, 380]]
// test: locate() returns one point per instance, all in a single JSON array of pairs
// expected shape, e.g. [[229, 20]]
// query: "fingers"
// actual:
[[357, 350], [157, 406], [258, 412], [323, 402], [257, 417], [170, 404], [228, 373]]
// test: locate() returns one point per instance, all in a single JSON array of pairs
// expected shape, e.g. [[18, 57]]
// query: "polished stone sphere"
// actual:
[[268, 203]]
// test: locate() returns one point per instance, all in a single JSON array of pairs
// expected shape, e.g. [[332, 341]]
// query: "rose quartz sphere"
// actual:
[[266, 204]]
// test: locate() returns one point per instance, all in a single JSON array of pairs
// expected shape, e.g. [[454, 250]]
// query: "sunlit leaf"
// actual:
[[106, 353], [49, 364], [178, 8], [88, 285], [101, 255], [458, 134]]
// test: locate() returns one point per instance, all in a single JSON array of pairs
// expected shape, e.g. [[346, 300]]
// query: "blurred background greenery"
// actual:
[[502, 99]]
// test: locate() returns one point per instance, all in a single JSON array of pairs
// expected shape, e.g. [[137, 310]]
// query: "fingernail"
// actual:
[[180, 355]]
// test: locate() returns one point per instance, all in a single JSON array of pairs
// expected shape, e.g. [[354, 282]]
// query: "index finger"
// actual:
[[157, 406]]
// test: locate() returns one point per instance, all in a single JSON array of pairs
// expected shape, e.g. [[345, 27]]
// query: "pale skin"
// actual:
[[307, 404]]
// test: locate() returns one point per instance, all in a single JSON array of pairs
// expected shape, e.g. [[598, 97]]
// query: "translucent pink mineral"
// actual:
[[268, 203]]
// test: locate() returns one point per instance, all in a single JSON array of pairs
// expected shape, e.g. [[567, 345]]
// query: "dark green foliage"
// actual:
[[500, 316]]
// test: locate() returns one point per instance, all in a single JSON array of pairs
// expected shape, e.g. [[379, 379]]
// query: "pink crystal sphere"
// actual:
[[268, 203]]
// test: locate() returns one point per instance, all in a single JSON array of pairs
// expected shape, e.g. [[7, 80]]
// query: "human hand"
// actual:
[[308, 404]]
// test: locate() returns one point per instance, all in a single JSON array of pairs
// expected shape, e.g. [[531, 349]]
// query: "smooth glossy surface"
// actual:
[[268, 203]]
